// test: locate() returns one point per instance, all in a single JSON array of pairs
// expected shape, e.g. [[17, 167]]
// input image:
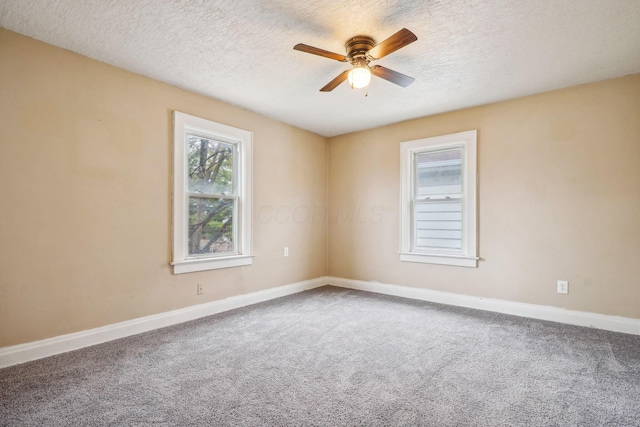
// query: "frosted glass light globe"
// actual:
[[359, 77]]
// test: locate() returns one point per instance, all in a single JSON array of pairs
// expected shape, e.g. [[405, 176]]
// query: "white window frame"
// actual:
[[467, 256], [242, 140]]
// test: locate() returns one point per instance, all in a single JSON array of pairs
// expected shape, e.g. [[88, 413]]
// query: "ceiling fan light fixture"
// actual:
[[361, 50], [359, 77]]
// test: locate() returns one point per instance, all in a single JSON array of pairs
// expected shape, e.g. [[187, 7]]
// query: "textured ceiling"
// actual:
[[468, 52]]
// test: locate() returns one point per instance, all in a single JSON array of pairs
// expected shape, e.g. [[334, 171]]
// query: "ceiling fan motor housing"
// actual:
[[357, 48]]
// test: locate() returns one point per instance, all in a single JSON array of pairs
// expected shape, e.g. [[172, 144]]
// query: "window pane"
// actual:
[[438, 225], [210, 225], [210, 165], [439, 172]]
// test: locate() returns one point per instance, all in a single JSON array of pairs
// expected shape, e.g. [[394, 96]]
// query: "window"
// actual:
[[211, 195], [438, 200]]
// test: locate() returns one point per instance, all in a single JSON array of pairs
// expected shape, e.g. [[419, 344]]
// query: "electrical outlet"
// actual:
[[563, 287], [286, 251], [200, 291]]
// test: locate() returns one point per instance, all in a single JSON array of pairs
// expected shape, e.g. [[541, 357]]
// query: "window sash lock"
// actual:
[[426, 198]]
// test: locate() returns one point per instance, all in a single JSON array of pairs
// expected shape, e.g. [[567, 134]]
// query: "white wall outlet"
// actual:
[[286, 251], [563, 287], [200, 291]]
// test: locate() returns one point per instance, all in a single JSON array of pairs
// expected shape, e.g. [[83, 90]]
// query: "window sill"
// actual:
[[455, 260], [203, 264]]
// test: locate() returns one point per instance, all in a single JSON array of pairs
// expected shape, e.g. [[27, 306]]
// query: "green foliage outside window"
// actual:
[[212, 195]]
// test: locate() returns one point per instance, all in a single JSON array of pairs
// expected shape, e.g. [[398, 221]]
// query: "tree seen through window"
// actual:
[[212, 198]]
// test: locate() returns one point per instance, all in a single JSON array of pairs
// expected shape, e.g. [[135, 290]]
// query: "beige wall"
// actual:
[[85, 188], [559, 198]]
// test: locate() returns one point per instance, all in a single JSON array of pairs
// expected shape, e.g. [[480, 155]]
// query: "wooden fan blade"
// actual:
[[393, 43], [336, 82], [393, 76], [320, 52]]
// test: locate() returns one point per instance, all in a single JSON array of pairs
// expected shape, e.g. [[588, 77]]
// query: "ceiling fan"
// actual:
[[361, 50]]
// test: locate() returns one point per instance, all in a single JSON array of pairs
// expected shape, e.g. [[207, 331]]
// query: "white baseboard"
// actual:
[[554, 314], [22, 353]]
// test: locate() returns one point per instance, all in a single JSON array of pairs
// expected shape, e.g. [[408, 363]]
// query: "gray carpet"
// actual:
[[336, 357]]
